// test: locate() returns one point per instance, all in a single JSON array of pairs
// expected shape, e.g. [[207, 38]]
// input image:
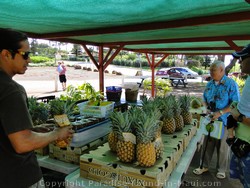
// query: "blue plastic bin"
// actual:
[[114, 93]]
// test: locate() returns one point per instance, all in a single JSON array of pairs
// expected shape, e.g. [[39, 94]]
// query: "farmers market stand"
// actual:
[[168, 170], [74, 180]]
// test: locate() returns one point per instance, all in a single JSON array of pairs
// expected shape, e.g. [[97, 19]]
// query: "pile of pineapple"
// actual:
[[175, 113], [136, 133]]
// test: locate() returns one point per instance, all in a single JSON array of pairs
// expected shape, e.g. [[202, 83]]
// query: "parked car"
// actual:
[[236, 74], [206, 77], [187, 72], [162, 72], [169, 72]]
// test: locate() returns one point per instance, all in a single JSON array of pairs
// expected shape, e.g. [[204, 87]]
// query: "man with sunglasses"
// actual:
[[240, 161], [17, 136]]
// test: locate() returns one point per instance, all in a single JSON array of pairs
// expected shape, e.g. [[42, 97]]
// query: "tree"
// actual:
[[122, 53], [33, 46], [194, 60], [77, 50], [207, 62]]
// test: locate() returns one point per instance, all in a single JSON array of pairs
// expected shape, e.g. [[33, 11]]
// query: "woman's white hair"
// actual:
[[218, 64]]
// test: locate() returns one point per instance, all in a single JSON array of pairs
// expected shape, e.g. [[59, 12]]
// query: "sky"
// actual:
[[67, 47]]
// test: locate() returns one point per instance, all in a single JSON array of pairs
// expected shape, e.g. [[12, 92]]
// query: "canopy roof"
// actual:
[[158, 26]]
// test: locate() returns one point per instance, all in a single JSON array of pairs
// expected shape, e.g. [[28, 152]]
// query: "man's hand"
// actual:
[[64, 133], [216, 115]]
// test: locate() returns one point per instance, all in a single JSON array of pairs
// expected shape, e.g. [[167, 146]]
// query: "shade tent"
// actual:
[[145, 26]]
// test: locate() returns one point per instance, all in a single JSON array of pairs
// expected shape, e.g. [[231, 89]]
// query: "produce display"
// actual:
[[103, 165], [143, 140], [136, 133]]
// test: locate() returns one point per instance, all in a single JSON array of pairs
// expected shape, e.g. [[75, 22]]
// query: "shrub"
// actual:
[[240, 82], [200, 72], [128, 63], [144, 63], [40, 59]]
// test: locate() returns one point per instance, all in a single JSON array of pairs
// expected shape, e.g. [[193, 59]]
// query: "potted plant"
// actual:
[[39, 111], [162, 86]]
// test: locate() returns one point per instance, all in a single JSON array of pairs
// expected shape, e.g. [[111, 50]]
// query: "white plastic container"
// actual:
[[96, 111]]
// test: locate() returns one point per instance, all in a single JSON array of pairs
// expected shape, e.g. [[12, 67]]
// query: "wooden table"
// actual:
[[175, 82]]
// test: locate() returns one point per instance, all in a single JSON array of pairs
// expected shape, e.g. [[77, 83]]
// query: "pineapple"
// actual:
[[61, 111], [177, 114], [158, 133], [168, 119], [185, 101], [134, 113], [146, 129], [125, 147], [112, 141], [158, 142], [153, 107], [196, 103]]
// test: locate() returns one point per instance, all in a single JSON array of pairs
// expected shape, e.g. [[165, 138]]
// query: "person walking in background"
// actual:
[[18, 138], [240, 144], [61, 69], [219, 93]]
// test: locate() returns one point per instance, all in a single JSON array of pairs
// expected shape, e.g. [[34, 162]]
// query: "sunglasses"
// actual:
[[25, 55]]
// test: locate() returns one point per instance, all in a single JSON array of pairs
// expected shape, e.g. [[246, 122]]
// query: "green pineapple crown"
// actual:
[[121, 123], [134, 112], [58, 107], [176, 105], [147, 126], [185, 101], [168, 105]]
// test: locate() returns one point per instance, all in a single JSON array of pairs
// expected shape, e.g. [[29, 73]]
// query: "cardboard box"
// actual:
[[72, 154], [186, 134], [174, 144], [103, 166]]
